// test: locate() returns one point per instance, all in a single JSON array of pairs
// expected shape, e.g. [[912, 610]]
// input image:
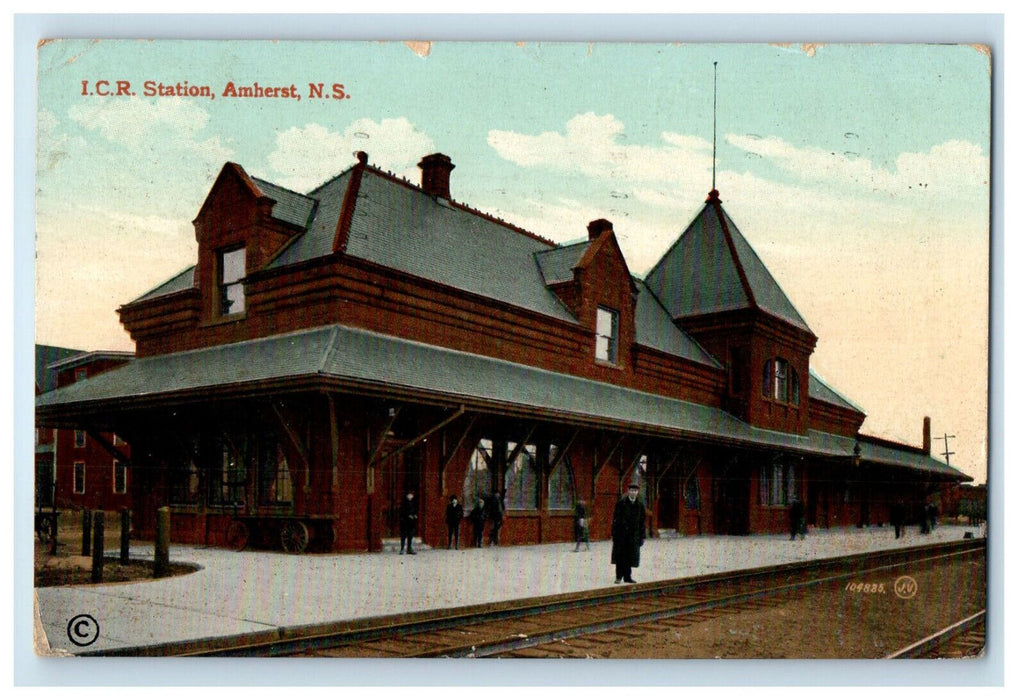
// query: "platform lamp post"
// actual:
[[863, 484]]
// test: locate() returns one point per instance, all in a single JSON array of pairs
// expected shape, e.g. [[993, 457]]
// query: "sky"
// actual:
[[859, 173]]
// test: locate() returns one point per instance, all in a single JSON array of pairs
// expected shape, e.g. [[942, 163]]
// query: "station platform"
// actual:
[[246, 592]]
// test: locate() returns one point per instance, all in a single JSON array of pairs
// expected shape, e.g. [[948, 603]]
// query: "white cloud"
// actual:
[[591, 146], [133, 122], [954, 168], [305, 157]]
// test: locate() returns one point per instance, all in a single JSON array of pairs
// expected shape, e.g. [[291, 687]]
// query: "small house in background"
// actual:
[[89, 469], [332, 351]]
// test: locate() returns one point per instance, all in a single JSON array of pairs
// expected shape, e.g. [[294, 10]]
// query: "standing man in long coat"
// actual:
[[627, 534]]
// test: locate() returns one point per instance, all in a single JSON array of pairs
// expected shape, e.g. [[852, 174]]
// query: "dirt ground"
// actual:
[[68, 567], [829, 622]]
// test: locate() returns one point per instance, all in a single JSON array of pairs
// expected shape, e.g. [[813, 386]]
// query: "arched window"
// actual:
[[560, 482], [521, 492], [781, 381], [477, 483]]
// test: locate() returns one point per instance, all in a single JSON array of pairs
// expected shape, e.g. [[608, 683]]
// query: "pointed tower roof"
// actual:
[[711, 268]]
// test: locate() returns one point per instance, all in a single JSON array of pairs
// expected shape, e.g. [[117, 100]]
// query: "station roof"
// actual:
[[363, 362], [711, 268]]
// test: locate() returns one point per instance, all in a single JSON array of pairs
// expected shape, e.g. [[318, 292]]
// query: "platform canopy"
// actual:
[[348, 360]]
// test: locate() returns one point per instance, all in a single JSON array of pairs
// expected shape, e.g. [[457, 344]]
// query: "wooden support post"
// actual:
[[162, 545], [53, 532], [446, 459], [98, 518], [126, 524], [87, 526], [332, 417]]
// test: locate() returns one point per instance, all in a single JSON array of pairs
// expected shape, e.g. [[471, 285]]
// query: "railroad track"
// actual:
[[553, 625], [963, 639]]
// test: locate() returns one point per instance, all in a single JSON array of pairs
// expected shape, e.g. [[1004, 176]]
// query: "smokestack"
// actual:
[[926, 435], [436, 170], [597, 228]]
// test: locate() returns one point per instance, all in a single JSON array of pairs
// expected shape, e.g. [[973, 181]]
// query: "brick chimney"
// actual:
[[436, 169], [926, 435], [597, 228]]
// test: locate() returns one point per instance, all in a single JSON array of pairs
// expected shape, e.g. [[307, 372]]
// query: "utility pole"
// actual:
[[946, 446]]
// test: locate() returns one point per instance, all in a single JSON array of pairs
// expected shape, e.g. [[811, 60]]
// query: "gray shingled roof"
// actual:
[[557, 263], [818, 389], [318, 241], [654, 328], [290, 207], [183, 280], [377, 362], [406, 229], [698, 274]]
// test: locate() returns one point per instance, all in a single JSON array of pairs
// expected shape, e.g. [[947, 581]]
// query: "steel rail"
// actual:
[[615, 622], [291, 640], [927, 644]]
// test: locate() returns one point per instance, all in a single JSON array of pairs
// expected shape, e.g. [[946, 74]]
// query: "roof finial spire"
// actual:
[[715, 96]]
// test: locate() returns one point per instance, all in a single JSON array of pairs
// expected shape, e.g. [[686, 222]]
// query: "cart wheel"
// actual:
[[295, 536], [238, 535]]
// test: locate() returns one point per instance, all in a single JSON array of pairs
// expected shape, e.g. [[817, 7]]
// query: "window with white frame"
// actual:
[[560, 481], [606, 334], [521, 492], [120, 477], [79, 438], [232, 268], [79, 478]]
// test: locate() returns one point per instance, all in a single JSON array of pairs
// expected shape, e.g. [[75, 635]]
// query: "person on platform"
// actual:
[[477, 519], [897, 519], [496, 513], [581, 526], [407, 524], [797, 521], [627, 534], [453, 516]]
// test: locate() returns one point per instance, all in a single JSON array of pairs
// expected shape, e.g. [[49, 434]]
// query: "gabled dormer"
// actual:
[[719, 291], [593, 281], [242, 224]]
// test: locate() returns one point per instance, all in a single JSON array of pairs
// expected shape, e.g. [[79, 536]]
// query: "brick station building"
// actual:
[[330, 351]]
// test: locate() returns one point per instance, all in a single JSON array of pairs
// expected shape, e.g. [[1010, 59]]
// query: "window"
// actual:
[[275, 481], [79, 485], [232, 270], [183, 478], [781, 381], [80, 374], [778, 485], [227, 478], [120, 477], [118, 440], [640, 475], [560, 482], [691, 494], [79, 438], [521, 492], [477, 483], [607, 330]]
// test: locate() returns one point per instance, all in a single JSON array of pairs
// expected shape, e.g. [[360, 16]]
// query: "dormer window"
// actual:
[[781, 381], [606, 335], [232, 268]]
